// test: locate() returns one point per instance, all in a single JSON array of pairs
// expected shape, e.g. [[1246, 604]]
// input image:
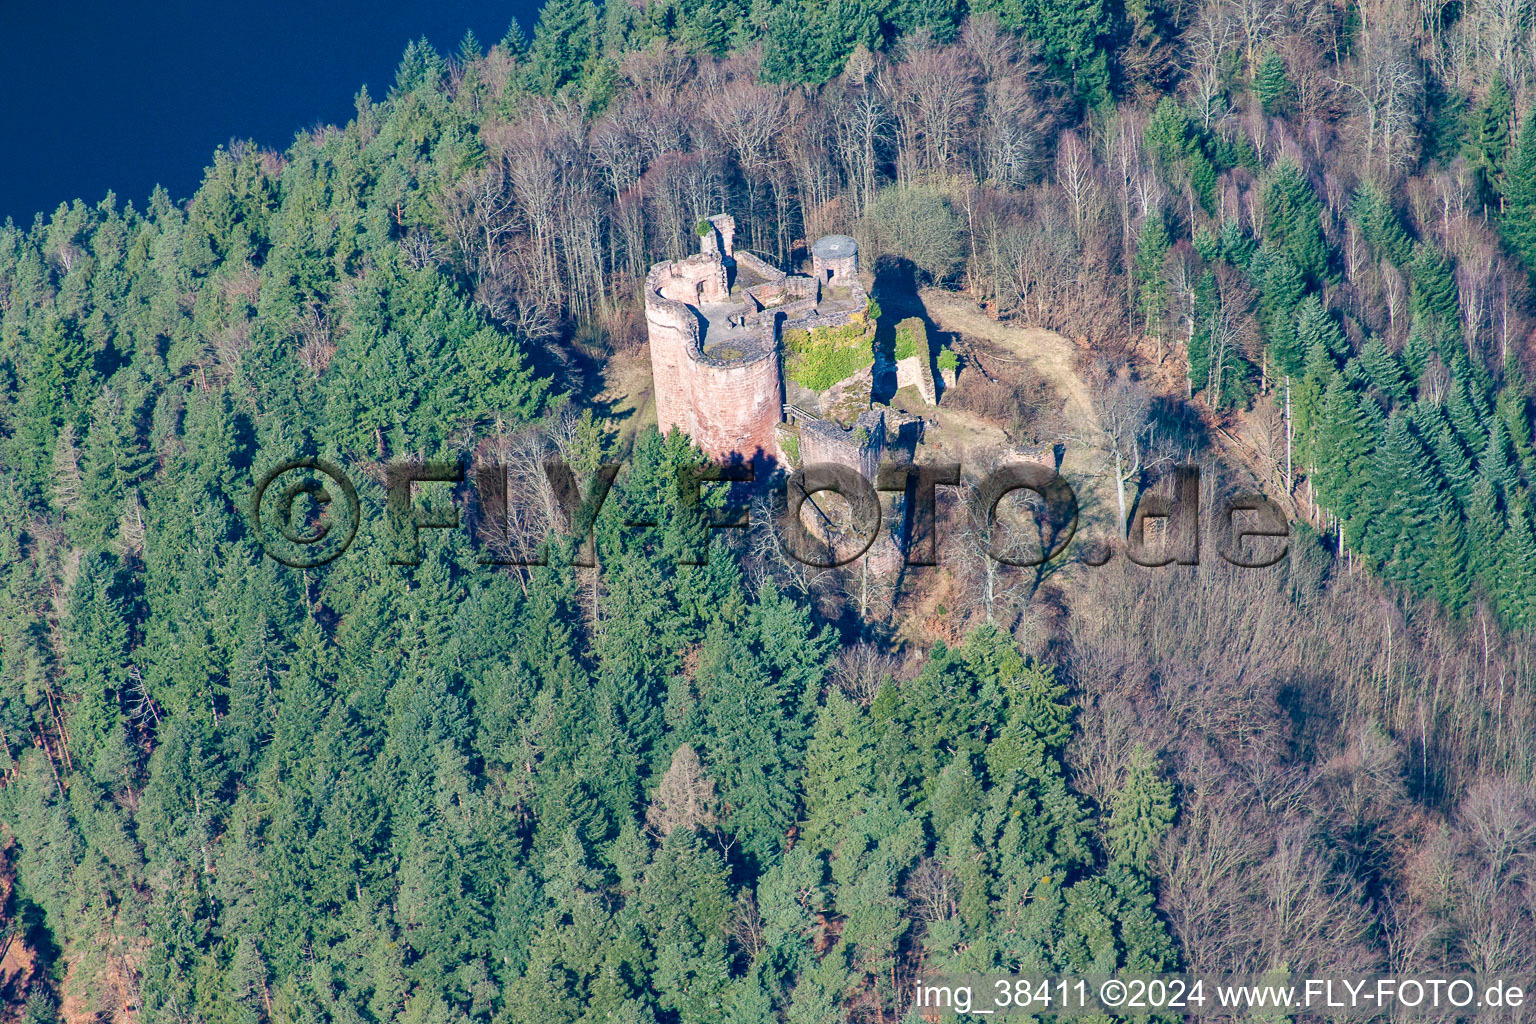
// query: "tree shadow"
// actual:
[[577, 365], [896, 292]]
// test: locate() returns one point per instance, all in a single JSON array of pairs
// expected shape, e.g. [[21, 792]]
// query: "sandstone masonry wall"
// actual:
[[727, 406]]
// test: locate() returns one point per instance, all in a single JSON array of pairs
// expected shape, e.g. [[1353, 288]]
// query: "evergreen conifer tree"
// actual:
[[1497, 465], [1141, 811], [1432, 289], [1515, 595], [1488, 140], [1485, 535], [1314, 324], [1273, 84], [1406, 502], [1293, 221], [1383, 230], [1344, 442], [1518, 223], [1383, 370], [563, 42], [1450, 580], [1455, 465], [1281, 288], [1152, 245], [1417, 350]]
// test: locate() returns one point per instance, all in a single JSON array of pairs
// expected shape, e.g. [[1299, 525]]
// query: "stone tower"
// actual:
[[714, 362], [835, 261]]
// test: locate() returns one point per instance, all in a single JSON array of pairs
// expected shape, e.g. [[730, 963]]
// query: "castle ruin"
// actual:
[[716, 320]]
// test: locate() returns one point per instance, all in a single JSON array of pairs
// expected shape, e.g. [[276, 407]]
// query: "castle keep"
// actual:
[[716, 321]]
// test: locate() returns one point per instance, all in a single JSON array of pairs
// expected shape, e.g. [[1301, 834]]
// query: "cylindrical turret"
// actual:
[[835, 261]]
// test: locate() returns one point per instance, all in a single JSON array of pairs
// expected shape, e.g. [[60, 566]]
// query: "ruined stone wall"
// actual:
[[693, 280], [916, 370], [860, 447], [805, 317], [723, 238], [757, 266]]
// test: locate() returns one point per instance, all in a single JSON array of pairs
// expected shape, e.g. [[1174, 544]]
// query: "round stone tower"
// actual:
[[715, 363], [835, 261]]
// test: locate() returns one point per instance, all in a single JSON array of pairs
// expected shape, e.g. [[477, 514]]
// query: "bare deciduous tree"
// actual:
[[685, 797]]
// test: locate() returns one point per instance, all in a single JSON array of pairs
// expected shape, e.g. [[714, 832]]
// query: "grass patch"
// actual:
[[791, 443], [819, 358], [910, 333]]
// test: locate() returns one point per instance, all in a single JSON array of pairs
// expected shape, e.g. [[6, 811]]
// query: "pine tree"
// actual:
[[1432, 289], [1417, 350], [1372, 209], [753, 742], [1281, 288], [1518, 223], [563, 42], [1198, 353], [97, 635], [683, 908], [1513, 407], [958, 793], [1307, 405], [1497, 465], [1314, 325], [806, 42], [1405, 500], [1383, 370], [1146, 945], [39, 1007], [420, 66], [1515, 595], [1455, 465], [1071, 36], [1449, 577], [1485, 535], [59, 374], [114, 460], [1152, 245], [1293, 221], [515, 42], [1141, 811], [1488, 140], [1464, 416], [1237, 246], [1169, 135], [1343, 446], [839, 770], [1273, 84], [252, 697]]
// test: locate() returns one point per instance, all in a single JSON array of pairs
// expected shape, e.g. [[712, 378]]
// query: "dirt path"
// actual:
[[1052, 355]]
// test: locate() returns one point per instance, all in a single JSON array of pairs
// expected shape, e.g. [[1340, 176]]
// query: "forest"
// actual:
[[652, 793]]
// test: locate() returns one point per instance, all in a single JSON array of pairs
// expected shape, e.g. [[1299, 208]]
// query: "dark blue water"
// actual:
[[119, 95]]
